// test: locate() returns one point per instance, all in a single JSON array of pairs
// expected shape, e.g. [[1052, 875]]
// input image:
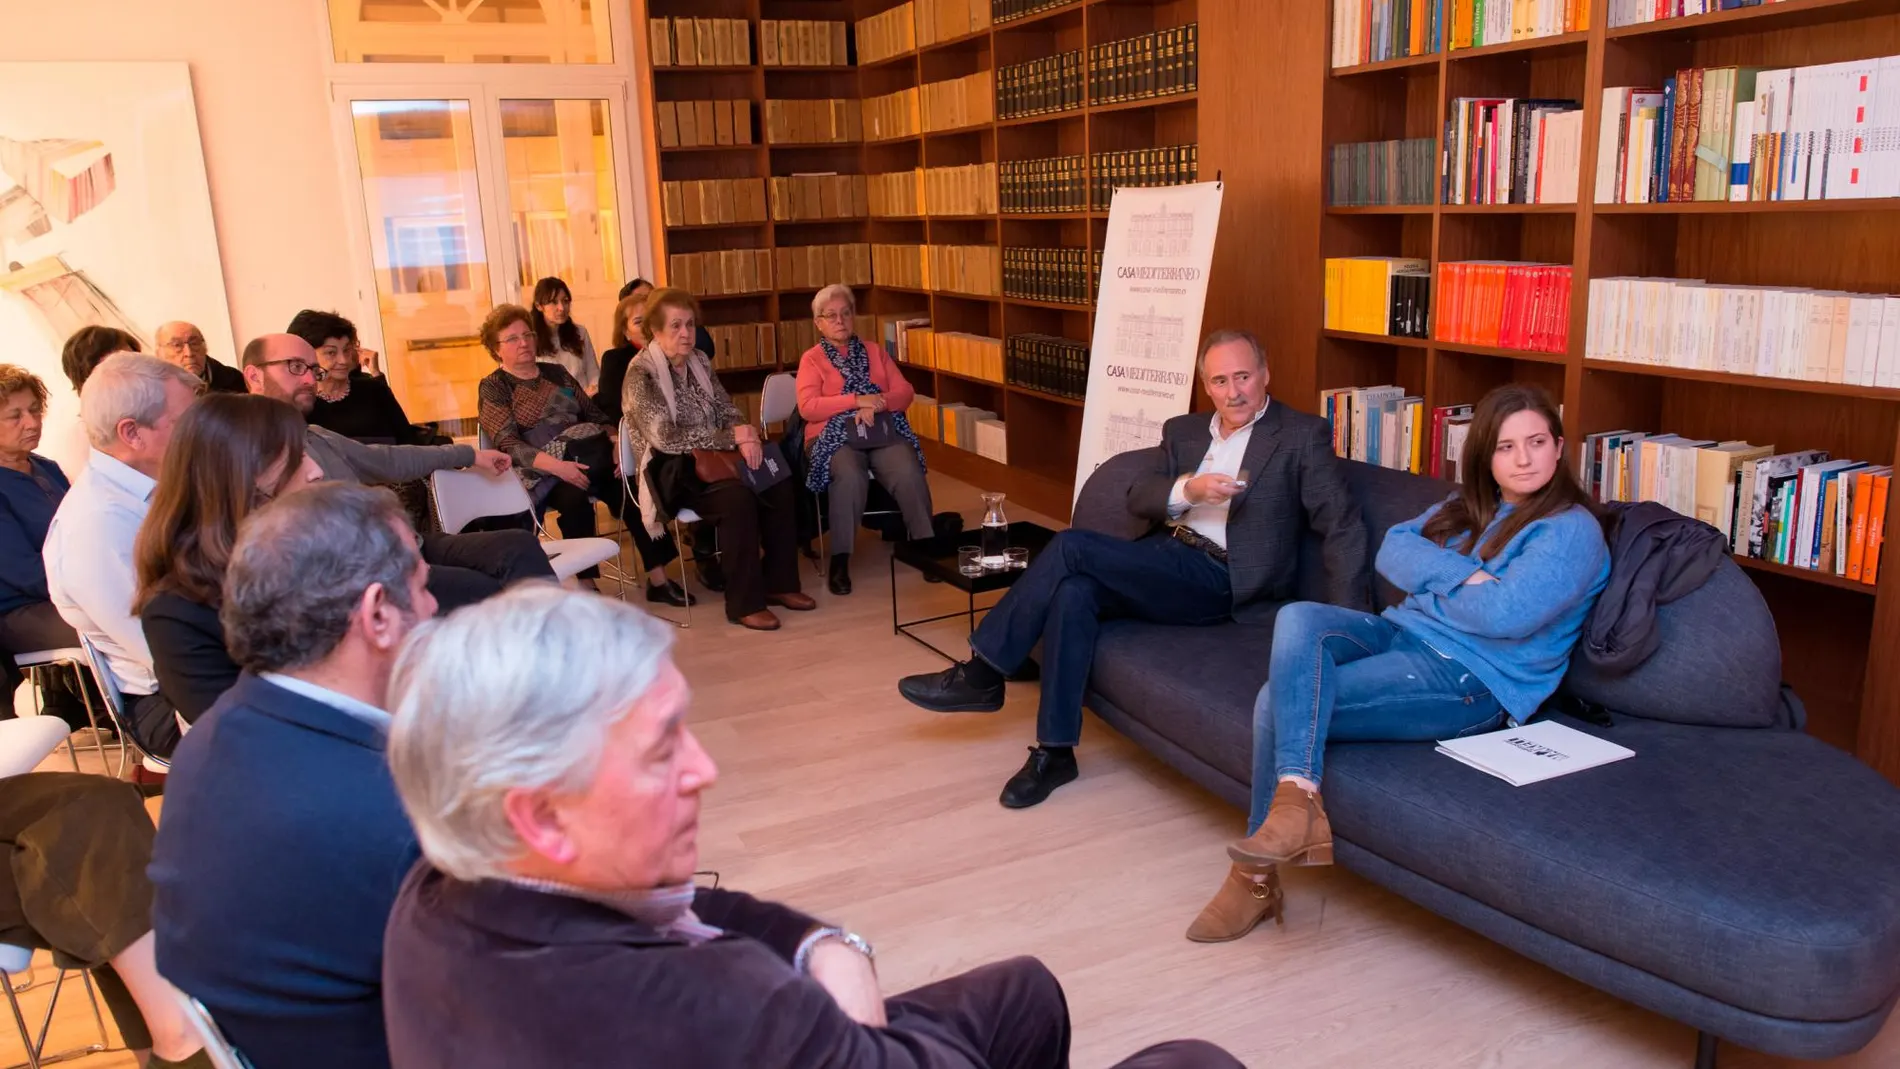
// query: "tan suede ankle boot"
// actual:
[[1296, 831], [1242, 902]]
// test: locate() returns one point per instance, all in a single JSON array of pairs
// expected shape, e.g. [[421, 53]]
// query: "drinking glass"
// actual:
[[970, 560], [1018, 557]]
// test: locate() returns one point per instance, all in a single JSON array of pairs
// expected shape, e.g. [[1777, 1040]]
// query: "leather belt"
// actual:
[[1188, 535]]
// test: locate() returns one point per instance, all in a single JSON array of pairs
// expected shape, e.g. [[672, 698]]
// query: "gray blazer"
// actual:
[[348, 460], [1294, 485]]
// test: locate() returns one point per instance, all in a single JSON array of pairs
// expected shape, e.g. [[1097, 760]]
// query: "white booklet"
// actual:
[[1534, 752]]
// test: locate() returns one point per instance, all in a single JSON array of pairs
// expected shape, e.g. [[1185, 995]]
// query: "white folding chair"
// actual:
[[219, 1049], [628, 461], [35, 664], [463, 496], [778, 398], [108, 683]]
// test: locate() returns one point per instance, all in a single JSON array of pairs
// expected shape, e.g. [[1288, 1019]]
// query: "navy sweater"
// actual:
[[280, 853], [27, 504]]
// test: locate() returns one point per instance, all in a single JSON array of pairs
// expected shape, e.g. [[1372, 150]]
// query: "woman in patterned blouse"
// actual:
[[563, 445], [675, 406]]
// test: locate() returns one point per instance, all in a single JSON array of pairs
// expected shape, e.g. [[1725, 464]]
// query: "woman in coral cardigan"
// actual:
[[853, 397], [1497, 578]]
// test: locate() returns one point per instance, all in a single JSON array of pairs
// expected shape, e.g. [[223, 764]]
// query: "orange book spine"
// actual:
[[1857, 540], [1876, 530]]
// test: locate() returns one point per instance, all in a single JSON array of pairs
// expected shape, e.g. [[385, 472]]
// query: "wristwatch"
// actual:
[[802, 959]]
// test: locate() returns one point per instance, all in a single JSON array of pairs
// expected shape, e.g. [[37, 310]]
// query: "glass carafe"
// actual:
[[995, 533]]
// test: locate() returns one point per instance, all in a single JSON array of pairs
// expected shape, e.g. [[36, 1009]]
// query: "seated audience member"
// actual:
[[626, 347], [565, 449], [283, 842], [130, 406], [350, 401], [88, 346], [75, 884], [184, 344], [845, 383], [641, 288], [680, 414], [31, 488], [230, 454], [1230, 496], [1498, 579], [560, 340], [464, 568], [539, 746]]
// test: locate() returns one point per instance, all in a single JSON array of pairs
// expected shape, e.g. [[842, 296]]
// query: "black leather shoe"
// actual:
[[712, 576], [670, 593], [950, 691], [1045, 770], [840, 581]]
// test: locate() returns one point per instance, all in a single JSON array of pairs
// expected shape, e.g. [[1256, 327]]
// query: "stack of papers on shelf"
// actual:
[[1534, 752]]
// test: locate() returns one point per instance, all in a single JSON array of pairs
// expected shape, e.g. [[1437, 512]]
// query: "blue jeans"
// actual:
[[1077, 581], [1347, 675]]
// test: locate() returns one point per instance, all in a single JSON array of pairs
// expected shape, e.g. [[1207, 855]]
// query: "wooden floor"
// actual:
[[837, 796]]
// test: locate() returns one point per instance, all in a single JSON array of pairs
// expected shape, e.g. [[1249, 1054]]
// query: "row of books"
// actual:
[[971, 269], [713, 200], [1379, 425], [1503, 304], [926, 421], [1510, 151], [1801, 509], [1171, 165], [1061, 276], [1811, 335], [1153, 64], [802, 43], [940, 20], [1058, 366], [813, 267], [959, 102], [886, 34], [690, 123], [1634, 12], [967, 190], [898, 114], [1040, 86], [977, 430], [1055, 184], [1011, 10], [687, 42], [718, 273], [748, 403], [1379, 295], [795, 337], [972, 356], [1368, 173], [800, 122], [801, 197], [1476, 23], [895, 330], [743, 345], [1372, 31]]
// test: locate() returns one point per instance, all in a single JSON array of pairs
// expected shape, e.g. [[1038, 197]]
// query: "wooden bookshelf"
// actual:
[[1835, 632], [1044, 430]]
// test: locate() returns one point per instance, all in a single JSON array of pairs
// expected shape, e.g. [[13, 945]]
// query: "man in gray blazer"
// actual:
[[1230, 496], [463, 568]]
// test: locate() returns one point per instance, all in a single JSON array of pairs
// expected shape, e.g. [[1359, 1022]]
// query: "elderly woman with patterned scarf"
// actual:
[[563, 445], [853, 399], [689, 439]]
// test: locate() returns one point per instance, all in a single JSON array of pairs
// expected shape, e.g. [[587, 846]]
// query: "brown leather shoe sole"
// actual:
[[794, 602], [763, 620]]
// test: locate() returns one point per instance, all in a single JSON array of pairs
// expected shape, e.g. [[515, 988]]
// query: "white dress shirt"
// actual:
[[89, 570], [361, 710], [1224, 456]]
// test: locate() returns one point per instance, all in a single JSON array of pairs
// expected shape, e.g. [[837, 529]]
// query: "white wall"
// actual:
[[263, 112]]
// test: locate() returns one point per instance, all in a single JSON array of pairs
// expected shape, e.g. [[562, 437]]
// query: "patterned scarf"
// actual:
[[856, 369]]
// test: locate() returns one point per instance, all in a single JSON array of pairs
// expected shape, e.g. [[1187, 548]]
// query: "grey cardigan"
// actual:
[[348, 460]]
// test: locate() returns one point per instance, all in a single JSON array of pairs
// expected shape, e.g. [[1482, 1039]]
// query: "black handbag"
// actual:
[[877, 434]]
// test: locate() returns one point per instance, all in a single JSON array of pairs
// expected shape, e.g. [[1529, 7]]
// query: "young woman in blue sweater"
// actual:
[[1498, 579]]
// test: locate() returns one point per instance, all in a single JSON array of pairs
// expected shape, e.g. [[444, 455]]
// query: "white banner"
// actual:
[[1147, 318]]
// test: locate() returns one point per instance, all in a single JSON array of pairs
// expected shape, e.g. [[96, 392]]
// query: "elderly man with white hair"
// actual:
[[853, 397], [183, 344], [540, 747], [129, 405]]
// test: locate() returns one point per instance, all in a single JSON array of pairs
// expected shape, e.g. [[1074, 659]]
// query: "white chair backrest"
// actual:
[[481, 438], [627, 459], [778, 398], [463, 496], [108, 681]]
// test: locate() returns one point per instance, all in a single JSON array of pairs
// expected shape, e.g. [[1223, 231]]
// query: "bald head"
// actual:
[[282, 366], [183, 344]]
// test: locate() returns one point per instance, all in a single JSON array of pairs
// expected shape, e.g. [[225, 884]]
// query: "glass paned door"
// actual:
[[422, 202], [563, 204], [471, 31]]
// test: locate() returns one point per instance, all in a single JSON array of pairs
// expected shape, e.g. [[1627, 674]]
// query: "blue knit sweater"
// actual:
[[1515, 634]]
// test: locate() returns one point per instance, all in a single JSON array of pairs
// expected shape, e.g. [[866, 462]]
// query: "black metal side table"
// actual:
[[937, 558]]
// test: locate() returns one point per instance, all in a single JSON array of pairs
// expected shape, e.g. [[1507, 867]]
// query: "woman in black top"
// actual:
[[229, 455], [350, 402]]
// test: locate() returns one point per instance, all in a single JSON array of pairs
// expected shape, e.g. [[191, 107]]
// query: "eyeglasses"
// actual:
[[523, 338], [297, 366], [834, 317]]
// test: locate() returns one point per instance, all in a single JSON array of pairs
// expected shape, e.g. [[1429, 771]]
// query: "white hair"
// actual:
[[127, 386], [837, 291], [517, 692]]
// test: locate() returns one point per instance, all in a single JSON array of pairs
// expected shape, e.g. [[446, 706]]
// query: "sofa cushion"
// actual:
[[1385, 498], [1195, 685], [1759, 868], [1719, 663]]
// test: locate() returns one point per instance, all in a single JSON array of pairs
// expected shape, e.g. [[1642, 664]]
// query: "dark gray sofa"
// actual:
[[1742, 880]]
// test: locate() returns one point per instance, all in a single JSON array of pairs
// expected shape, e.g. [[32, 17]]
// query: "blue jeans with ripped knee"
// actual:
[[1347, 675]]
